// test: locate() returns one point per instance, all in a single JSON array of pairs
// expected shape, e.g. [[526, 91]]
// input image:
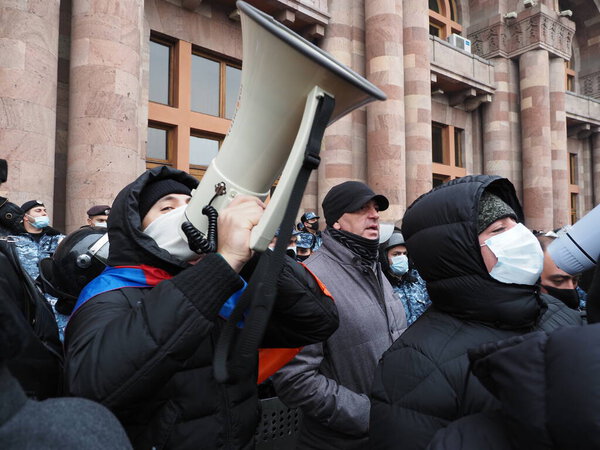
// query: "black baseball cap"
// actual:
[[348, 197]]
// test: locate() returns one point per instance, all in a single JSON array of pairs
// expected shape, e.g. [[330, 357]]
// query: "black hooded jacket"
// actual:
[[549, 392], [419, 385], [146, 353]]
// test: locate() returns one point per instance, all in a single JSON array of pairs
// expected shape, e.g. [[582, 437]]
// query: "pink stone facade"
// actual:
[[74, 95]]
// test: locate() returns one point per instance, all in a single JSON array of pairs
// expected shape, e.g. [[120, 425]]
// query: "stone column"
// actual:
[[558, 126], [336, 152], [105, 91], [385, 120], [536, 141], [28, 71], [417, 98], [596, 168], [498, 153]]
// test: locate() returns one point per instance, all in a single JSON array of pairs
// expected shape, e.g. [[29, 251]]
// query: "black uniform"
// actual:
[[147, 353], [419, 385]]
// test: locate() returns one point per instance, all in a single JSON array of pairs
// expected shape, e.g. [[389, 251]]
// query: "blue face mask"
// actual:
[[40, 222], [399, 265]]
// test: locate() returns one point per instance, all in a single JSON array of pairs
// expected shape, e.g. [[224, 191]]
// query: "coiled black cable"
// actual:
[[197, 241]]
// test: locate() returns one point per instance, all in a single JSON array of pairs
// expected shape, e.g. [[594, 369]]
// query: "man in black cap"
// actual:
[[330, 381], [98, 215], [38, 240], [309, 231]]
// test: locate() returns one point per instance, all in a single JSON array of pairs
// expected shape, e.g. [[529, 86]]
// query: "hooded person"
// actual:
[[142, 335], [408, 285], [330, 382], [481, 266], [548, 394]]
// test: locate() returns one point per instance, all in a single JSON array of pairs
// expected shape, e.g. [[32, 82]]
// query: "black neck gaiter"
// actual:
[[363, 247], [568, 296]]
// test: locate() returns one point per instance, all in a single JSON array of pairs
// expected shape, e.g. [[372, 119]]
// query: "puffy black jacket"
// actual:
[[146, 353], [38, 366], [420, 383], [548, 388]]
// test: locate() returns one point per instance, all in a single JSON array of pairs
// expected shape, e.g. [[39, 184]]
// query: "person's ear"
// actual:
[[337, 226], [90, 222]]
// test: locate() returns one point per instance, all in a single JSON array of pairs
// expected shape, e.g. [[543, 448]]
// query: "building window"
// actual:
[[443, 18], [570, 75], [193, 97], [573, 186], [447, 153]]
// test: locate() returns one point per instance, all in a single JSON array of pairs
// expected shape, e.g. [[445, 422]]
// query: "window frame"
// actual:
[[448, 169], [447, 19], [178, 116]]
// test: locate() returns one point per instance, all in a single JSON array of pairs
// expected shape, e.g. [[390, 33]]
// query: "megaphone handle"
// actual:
[[262, 288]]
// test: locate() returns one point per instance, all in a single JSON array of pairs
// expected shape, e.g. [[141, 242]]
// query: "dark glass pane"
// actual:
[[439, 179], [434, 5], [437, 145], [434, 31], [233, 79], [205, 85], [453, 15], [202, 150], [458, 148], [157, 144], [572, 168], [159, 73]]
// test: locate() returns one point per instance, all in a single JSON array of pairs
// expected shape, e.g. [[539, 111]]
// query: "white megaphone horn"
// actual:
[[283, 77]]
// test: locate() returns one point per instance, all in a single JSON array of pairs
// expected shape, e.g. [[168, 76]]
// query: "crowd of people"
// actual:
[[455, 332]]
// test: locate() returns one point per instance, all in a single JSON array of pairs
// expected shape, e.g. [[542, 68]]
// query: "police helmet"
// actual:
[[79, 258]]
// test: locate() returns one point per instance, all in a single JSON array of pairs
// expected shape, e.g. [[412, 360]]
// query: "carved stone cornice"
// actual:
[[529, 31]]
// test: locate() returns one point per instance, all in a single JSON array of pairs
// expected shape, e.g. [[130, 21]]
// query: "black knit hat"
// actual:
[[158, 189], [31, 204], [348, 197], [492, 208]]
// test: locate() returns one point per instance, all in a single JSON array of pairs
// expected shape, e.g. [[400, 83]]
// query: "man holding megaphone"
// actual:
[[142, 335]]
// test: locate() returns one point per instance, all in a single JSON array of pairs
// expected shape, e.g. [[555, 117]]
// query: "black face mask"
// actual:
[[568, 296], [301, 258], [314, 226]]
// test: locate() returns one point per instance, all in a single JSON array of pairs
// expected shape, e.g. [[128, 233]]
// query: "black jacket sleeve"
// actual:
[[303, 314], [122, 344]]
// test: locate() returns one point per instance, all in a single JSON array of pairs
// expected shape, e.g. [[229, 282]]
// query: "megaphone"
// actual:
[[283, 77], [579, 248]]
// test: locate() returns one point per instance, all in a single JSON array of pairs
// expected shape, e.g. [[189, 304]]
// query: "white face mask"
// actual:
[[165, 232], [399, 265], [100, 224], [520, 256]]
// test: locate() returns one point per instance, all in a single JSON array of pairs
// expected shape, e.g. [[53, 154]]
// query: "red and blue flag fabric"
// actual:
[[113, 278]]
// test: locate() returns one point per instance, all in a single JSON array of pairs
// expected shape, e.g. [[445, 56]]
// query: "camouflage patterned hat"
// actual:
[[304, 240], [492, 208]]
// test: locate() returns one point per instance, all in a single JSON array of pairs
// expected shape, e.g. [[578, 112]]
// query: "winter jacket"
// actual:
[[412, 292], [31, 251], [548, 388], [421, 382], [146, 353], [55, 424], [330, 382], [39, 366]]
